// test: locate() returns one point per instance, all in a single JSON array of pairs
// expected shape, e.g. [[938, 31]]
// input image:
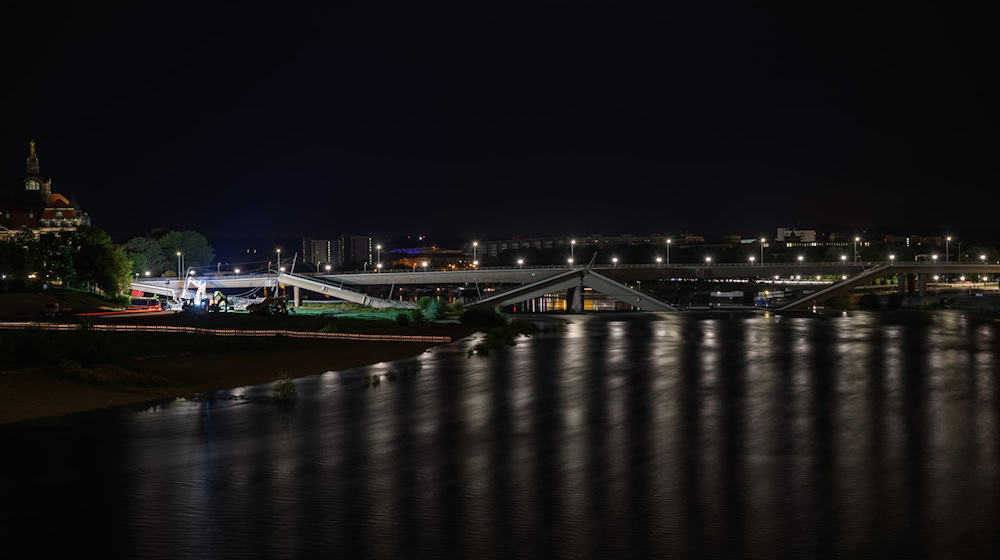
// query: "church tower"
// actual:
[[32, 160], [34, 186]]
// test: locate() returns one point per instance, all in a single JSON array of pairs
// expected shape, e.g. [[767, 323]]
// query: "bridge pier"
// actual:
[[922, 281], [296, 297], [901, 284]]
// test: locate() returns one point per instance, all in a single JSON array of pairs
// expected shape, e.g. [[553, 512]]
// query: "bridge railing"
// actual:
[[621, 266]]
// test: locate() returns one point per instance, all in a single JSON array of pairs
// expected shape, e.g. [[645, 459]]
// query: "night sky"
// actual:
[[497, 119]]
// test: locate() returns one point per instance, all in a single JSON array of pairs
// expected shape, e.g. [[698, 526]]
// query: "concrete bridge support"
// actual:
[[296, 296], [901, 284], [922, 281]]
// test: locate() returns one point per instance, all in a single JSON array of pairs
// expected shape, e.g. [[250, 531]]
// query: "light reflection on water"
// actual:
[[717, 436]]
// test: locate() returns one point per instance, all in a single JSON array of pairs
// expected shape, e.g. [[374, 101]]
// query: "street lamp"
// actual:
[[279, 260], [147, 273], [475, 245], [892, 257], [520, 262], [572, 245], [982, 258], [856, 239], [762, 241], [236, 270], [843, 258], [659, 260], [934, 257], [801, 258], [669, 241], [378, 266], [327, 268], [423, 265], [614, 261], [475, 263], [378, 252], [708, 259], [752, 259], [180, 266], [947, 246], [570, 260]]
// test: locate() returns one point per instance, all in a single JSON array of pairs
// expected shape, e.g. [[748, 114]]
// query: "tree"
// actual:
[[100, 263], [147, 254], [197, 251]]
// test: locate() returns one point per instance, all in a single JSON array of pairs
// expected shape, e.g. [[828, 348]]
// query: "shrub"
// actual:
[[284, 389], [403, 319], [483, 318]]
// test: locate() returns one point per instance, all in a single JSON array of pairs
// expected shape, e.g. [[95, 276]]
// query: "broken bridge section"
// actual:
[[572, 282]]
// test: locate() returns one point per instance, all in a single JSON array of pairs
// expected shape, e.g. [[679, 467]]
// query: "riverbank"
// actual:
[[45, 373]]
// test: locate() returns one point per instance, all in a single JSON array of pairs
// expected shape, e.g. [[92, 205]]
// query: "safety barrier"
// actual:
[[26, 325]]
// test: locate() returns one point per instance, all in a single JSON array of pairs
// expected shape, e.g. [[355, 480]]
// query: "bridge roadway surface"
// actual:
[[348, 282]]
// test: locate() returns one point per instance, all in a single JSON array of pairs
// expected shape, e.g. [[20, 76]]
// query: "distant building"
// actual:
[[34, 208], [796, 235], [317, 251]]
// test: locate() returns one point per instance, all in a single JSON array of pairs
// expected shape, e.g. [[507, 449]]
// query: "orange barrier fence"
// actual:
[[25, 325]]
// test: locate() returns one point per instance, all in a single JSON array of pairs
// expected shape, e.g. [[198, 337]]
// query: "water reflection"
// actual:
[[690, 436]]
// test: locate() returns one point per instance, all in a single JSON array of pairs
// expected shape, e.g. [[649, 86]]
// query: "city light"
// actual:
[[708, 259], [659, 260], [474, 263], [801, 258], [424, 264], [843, 257], [328, 268], [147, 273], [237, 271], [892, 257], [570, 260], [962, 278], [520, 262], [281, 269], [378, 266], [934, 257], [751, 258], [982, 258], [614, 260], [843, 277], [936, 277]]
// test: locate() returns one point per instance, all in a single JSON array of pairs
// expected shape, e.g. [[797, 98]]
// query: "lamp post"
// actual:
[[378, 267], [843, 258], [180, 266], [752, 259], [801, 258], [614, 261], [659, 260], [572, 246], [378, 253], [236, 270], [147, 274], [982, 258], [892, 257], [669, 241], [520, 263], [423, 265], [279, 259], [708, 260], [762, 241], [569, 261], [856, 239], [947, 246], [475, 246]]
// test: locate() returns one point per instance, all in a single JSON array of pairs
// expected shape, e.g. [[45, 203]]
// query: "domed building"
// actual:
[[34, 207]]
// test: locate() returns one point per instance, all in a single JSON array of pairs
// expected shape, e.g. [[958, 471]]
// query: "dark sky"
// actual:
[[492, 119]]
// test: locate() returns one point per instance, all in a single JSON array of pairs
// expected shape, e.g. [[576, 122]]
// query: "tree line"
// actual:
[[87, 258]]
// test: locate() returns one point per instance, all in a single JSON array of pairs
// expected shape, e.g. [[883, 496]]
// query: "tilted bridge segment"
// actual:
[[609, 280]]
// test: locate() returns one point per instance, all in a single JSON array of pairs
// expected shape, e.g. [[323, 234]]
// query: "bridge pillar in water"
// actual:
[[296, 297], [922, 282], [901, 284]]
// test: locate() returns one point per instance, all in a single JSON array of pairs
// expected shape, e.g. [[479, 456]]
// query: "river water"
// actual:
[[711, 436]]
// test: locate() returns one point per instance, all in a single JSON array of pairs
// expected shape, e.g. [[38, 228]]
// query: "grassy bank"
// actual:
[[47, 373]]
